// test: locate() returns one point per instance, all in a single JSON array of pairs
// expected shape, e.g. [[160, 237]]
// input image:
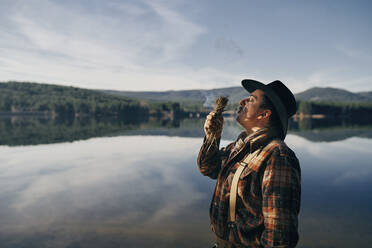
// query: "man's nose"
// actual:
[[242, 102]]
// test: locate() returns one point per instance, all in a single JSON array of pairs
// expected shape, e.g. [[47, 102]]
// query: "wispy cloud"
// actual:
[[122, 46], [228, 45], [111, 174], [354, 53], [337, 77], [162, 45]]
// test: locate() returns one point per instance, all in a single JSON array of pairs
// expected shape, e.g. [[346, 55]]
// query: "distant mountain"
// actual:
[[329, 94], [236, 93], [205, 97], [367, 94]]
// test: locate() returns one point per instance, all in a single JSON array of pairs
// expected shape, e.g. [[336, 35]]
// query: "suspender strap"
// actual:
[[234, 183], [233, 191]]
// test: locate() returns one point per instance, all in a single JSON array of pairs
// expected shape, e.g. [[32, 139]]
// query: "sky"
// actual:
[[151, 45]]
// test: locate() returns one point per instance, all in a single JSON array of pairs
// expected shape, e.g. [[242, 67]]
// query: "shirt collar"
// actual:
[[254, 140]]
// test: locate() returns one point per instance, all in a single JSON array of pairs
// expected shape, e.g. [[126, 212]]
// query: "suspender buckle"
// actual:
[[231, 225], [242, 163]]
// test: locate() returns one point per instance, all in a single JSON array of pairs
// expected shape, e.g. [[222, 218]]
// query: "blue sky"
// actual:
[[187, 44]]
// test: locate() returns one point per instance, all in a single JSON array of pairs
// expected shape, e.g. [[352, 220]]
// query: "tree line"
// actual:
[[353, 110], [24, 97], [64, 101]]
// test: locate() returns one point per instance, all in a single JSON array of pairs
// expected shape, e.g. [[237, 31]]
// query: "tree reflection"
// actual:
[[31, 130]]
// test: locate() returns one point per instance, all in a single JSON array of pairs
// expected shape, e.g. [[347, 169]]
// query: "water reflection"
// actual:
[[337, 192], [145, 191], [18, 130], [108, 192], [138, 185]]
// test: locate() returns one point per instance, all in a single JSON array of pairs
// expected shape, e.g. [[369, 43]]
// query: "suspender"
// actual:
[[234, 184], [242, 166]]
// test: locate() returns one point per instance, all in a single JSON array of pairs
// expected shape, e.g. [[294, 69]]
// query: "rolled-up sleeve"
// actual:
[[281, 197], [210, 157]]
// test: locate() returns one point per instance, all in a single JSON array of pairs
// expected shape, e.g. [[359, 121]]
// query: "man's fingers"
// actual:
[[213, 123], [211, 115]]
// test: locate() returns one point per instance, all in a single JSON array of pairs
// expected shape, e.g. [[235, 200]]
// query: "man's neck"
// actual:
[[251, 130]]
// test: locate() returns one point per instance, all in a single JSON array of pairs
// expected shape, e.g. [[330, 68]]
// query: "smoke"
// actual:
[[210, 98]]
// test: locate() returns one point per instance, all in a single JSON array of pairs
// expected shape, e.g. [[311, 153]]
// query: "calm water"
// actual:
[[140, 187]]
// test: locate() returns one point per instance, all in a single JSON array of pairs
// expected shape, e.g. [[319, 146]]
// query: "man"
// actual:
[[257, 196]]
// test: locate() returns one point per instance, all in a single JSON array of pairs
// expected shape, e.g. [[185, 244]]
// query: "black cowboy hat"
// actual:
[[282, 98]]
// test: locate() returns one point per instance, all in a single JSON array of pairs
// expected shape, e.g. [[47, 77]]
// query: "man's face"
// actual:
[[250, 109]]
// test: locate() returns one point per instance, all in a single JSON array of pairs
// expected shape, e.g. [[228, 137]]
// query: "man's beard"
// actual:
[[238, 113]]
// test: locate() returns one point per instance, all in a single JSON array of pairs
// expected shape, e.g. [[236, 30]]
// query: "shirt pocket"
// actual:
[[248, 186]]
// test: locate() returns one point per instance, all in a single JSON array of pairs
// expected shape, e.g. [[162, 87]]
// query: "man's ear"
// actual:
[[265, 114]]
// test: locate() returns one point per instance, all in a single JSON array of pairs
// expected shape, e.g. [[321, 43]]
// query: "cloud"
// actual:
[[114, 177], [177, 34], [127, 46], [354, 53], [349, 76], [227, 45], [342, 77], [155, 45]]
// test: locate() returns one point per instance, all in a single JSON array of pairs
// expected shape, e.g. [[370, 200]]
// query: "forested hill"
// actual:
[[331, 102], [24, 97], [328, 94], [185, 96], [316, 94]]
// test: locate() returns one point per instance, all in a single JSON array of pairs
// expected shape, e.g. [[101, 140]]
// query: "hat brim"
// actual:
[[251, 85]]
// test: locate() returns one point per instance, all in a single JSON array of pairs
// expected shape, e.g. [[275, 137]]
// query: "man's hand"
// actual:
[[213, 125]]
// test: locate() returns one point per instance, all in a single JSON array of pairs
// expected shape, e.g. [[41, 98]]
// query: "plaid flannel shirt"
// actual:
[[269, 191]]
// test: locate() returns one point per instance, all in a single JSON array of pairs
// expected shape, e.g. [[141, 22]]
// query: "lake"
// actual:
[[110, 183]]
